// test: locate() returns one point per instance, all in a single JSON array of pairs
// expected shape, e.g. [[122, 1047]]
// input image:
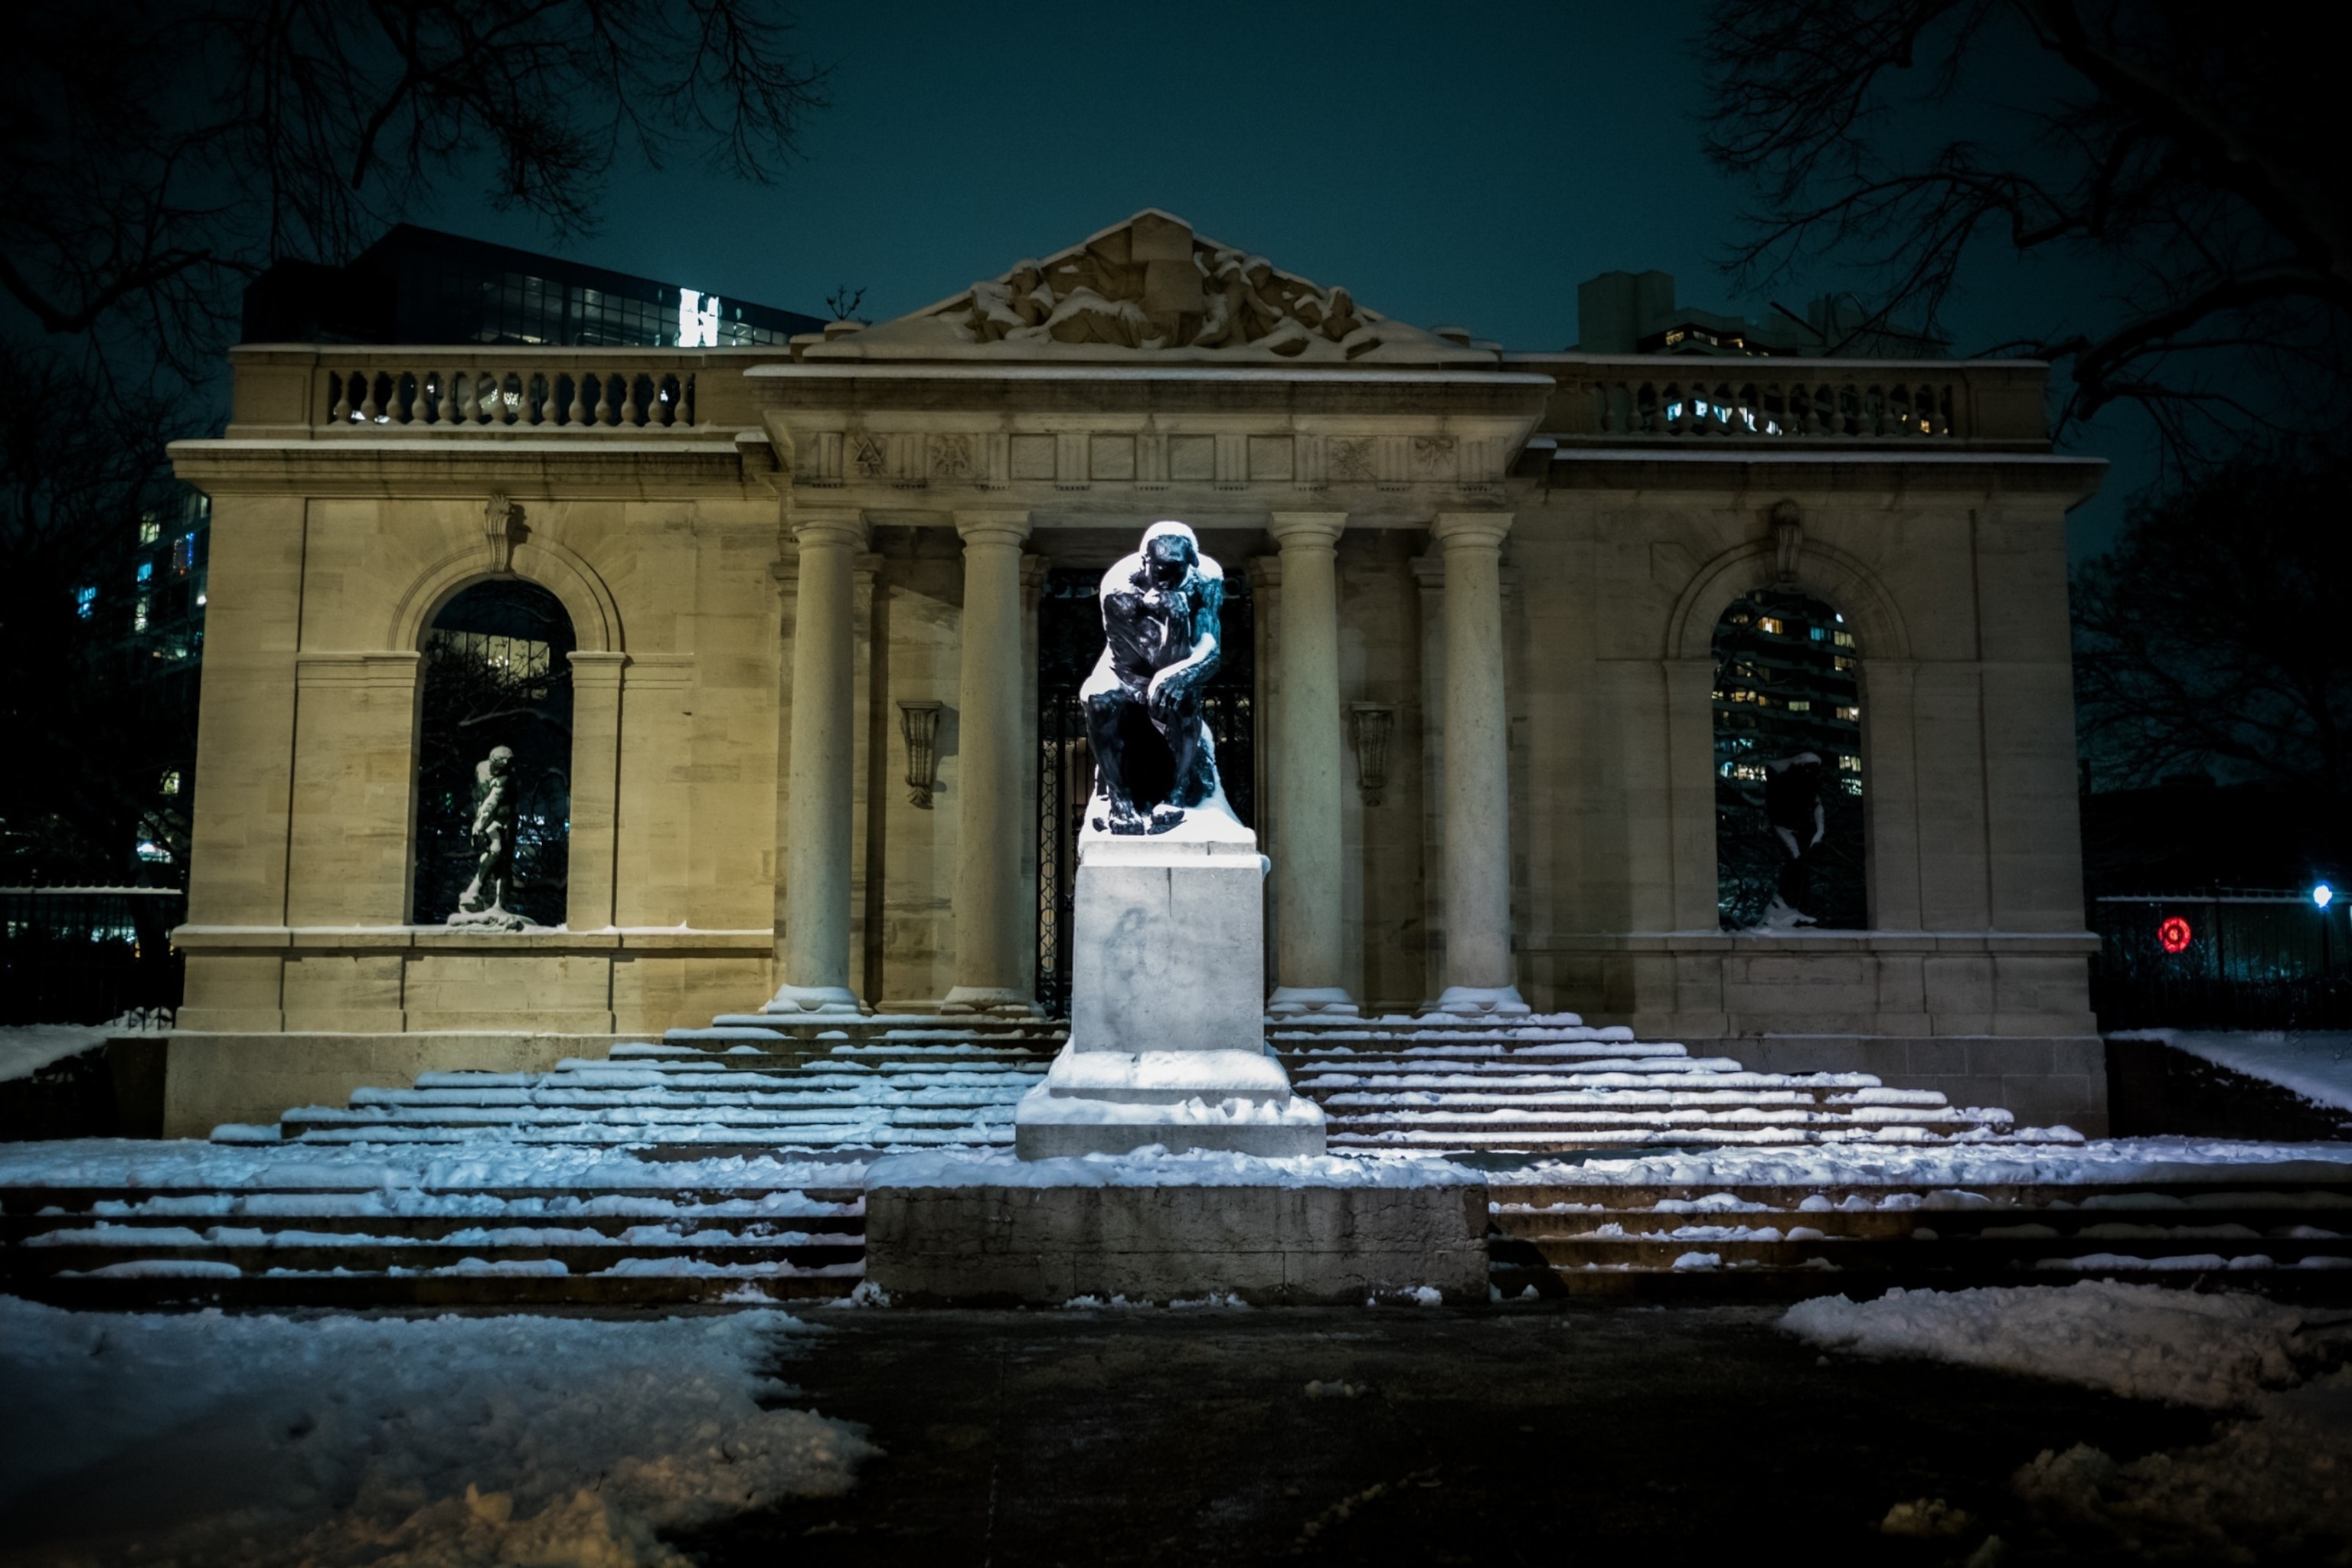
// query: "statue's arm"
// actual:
[[1208, 644]]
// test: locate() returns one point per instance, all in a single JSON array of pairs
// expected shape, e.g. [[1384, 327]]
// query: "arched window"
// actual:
[[498, 677], [1788, 766]]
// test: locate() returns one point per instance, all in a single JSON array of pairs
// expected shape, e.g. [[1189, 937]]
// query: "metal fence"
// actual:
[[2229, 960], [84, 956]]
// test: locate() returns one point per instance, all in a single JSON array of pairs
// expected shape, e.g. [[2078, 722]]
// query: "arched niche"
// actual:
[[1787, 758], [497, 673]]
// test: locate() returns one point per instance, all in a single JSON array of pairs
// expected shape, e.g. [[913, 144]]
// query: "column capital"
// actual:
[[994, 525], [842, 527], [1307, 530], [1474, 529]]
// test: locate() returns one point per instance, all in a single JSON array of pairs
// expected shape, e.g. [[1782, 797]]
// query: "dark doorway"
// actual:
[[1788, 766], [1069, 641], [498, 672]]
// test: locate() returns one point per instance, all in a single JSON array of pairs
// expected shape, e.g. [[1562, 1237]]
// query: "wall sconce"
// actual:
[[1367, 732], [919, 722]]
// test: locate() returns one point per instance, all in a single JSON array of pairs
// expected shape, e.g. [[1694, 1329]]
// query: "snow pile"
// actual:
[[27, 1049], [2141, 1341], [2316, 1065], [2269, 1489], [1156, 1167], [2268, 1486], [346, 1440]]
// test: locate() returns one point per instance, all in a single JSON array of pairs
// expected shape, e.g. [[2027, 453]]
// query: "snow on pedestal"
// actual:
[[1167, 995]]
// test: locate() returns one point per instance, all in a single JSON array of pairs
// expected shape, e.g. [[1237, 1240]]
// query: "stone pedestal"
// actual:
[[1166, 987], [981, 1230]]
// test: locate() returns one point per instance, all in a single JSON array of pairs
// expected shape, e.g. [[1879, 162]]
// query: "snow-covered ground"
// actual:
[[2317, 1063], [2272, 1482], [450, 1441], [27, 1049]]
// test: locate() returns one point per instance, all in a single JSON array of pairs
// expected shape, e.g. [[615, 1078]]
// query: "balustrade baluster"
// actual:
[[577, 412], [609, 384], [339, 406]]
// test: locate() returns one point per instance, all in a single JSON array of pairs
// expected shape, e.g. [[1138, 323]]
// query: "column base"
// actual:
[[1502, 1001], [1325, 1001], [997, 1001], [830, 999]]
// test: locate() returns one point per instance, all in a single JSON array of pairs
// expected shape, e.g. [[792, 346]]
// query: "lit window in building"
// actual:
[[1816, 633], [139, 614], [151, 850], [151, 527], [1800, 706], [184, 553], [146, 570], [172, 781], [697, 319], [85, 601], [1851, 715], [1844, 663], [1844, 639], [1769, 624], [1848, 763]]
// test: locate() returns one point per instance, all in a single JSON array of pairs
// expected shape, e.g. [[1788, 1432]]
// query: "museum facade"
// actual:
[[812, 614]]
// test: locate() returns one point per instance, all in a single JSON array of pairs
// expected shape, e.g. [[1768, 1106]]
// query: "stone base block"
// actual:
[[1044, 1245], [1169, 953]]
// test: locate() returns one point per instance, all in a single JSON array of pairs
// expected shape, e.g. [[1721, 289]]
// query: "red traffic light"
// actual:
[[2175, 934]]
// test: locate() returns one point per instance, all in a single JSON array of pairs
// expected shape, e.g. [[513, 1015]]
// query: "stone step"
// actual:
[[133, 1223], [62, 1254], [2113, 1199], [537, 1203], [1507, 1096], [2096, 1226], [1672, 1113], [561, 1094], [714, 1139], [358, 1292]]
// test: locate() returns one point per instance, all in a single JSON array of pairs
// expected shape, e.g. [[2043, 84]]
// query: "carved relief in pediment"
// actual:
[[1151, 284]]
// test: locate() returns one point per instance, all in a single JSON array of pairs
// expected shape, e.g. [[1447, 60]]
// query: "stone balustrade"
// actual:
[[588, 396], [1649, 398]]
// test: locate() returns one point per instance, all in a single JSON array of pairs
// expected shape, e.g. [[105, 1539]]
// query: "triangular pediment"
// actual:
[[1151, 290]]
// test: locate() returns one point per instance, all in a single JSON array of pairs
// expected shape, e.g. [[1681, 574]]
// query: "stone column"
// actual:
[[817, 854], [990, 925], [1479, 975], [1306, 769]]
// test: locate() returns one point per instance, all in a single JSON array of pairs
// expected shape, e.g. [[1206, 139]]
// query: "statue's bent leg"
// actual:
[[1178, 718], [1103, 711]]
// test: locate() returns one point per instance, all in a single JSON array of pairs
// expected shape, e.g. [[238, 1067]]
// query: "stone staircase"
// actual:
[[1765, 1242], [309, 1245], [733, 1160], [1549, 1084]]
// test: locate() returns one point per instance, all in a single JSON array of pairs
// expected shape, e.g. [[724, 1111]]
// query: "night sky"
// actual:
[[1447, 164]]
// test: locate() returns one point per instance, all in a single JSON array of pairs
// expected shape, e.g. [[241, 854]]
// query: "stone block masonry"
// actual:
[[1003, 1241]]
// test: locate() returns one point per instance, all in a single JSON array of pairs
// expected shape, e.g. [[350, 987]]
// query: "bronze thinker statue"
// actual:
[[1154, 760], [484, 900]]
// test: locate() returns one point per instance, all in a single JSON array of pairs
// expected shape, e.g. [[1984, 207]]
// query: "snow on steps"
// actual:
[[1733, 1241], [633, 1246], [1552, 1084], [1546, 1084]]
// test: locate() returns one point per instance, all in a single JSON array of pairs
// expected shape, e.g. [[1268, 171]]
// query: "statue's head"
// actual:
[[501, 760], [1170, 554]]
